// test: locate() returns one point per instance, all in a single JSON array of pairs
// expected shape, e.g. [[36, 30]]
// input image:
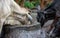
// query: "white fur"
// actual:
[[7, 7]]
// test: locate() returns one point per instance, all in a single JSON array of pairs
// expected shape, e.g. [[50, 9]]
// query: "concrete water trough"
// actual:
[[24, 31]]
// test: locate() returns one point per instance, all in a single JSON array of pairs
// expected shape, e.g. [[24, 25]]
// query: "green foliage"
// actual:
[[29, 4], [37, 2]]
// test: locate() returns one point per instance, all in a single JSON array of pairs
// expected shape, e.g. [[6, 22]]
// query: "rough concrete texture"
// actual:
[[28, 33]]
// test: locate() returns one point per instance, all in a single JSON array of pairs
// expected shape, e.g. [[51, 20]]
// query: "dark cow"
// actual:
[[44, 17], [56, 31], [49, 13]]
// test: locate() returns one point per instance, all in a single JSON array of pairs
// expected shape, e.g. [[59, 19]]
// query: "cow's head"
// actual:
[[21, 10]]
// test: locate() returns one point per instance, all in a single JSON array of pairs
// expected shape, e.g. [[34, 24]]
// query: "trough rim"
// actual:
[[22, 26]]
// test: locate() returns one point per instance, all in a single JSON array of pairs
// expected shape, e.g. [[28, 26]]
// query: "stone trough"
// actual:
[[24, 31]]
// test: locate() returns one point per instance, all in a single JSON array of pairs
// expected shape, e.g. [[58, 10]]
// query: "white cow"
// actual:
[[7, 7]]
